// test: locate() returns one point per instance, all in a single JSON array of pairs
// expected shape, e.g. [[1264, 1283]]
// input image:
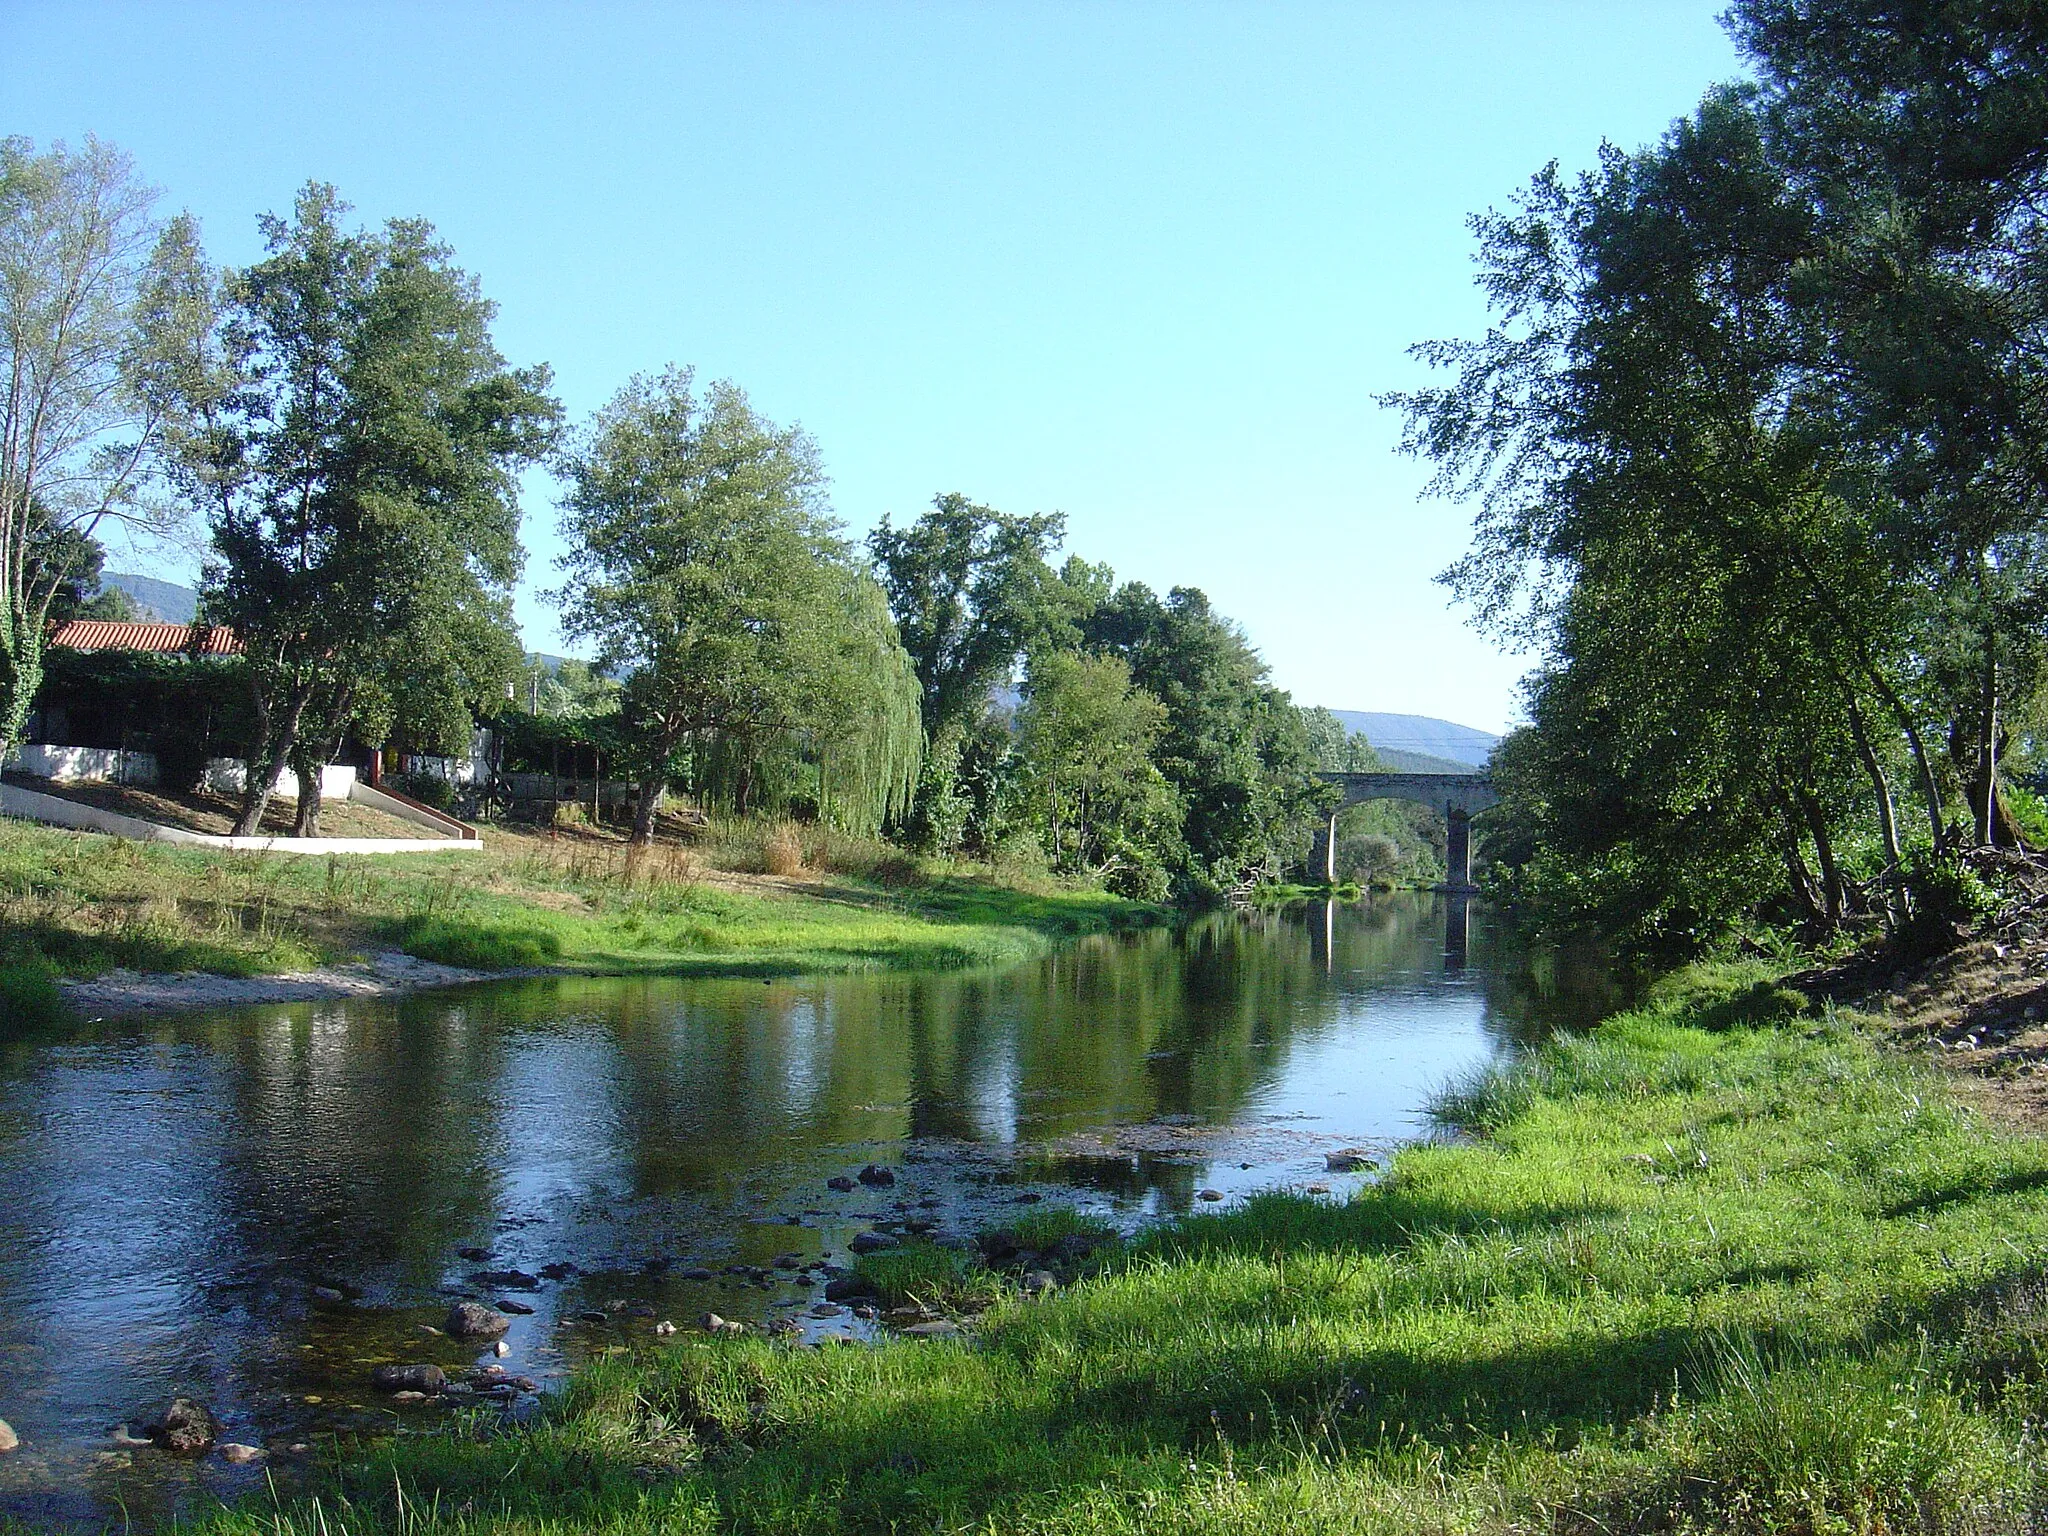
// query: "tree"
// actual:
[[101, 305], [1086, 733], [705, 566], [355, 441], [1233, 747], [970, 588]]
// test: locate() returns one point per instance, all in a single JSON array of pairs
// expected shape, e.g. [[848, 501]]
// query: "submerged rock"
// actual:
[[877, 1177], [474, 1320], [241, 1455], [9, 1440], [188, 1428], [408, 1378], [847, 1288], [1350, 1160], [506, 1279], [516, 1308], [871, 1242], [841, 1183]]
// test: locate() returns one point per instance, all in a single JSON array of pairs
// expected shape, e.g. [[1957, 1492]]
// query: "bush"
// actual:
[[782, 850], [427, 788]]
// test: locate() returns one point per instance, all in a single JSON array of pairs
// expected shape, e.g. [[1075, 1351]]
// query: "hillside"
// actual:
[[162, 602], [1409, 735]]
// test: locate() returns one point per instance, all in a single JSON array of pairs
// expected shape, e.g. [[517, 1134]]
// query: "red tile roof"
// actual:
[[97, 635]]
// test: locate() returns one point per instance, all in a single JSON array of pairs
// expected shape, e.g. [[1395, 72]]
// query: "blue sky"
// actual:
[[1144, 264]]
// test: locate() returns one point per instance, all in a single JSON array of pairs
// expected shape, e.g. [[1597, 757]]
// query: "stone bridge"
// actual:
[[1457, 797]]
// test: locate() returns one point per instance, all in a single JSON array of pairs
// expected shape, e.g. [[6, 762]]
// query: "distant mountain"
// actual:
[[156, 602], [1410, 735], [1398, 761]]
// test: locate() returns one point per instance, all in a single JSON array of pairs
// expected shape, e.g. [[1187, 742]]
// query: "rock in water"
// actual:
[[876, 1178], [9, 1440], [841, 1183], [871, 1242], [1350, 1160], [188, 1429], [1210, 1194], [408, 1378], [474, 1320], [241, 1455]]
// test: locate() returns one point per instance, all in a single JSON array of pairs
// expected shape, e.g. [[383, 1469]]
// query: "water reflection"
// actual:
[[171, 1194]]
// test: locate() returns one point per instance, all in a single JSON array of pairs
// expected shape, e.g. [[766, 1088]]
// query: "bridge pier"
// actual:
[[1322, 855], [1458, 852]]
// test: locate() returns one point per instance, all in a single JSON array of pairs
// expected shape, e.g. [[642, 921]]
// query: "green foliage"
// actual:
[[99, 308], [1748, 445], [704, 564], [1086, 734], [355, 441]]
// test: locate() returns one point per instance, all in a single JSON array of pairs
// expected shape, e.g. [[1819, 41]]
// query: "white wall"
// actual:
[[226, 774], [72, 765]]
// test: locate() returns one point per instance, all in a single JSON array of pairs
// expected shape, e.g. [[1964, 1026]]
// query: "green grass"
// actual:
[[76, 904], [1714, 1266]]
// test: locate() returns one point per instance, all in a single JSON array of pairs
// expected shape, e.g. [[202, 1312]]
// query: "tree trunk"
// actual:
[[1880, 785], [307, 763], [275, 738], [648, 807], [1824, 853]]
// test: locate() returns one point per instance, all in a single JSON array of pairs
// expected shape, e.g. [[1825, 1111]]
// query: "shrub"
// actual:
[[427, 788], [782, 851], [28, 993]]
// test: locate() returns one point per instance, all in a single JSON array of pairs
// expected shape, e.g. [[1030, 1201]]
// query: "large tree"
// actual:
[[101, 306], [970, 588], [355, 442], [705, 565]]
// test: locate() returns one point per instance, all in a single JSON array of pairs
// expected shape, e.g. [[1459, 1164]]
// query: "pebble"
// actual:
[[241, 1455], [827, 1309], [408, 1398], [501, 1349], [9, 1440], [664, 1328], [515, 1308], [1210, 1194], [871, 1242]]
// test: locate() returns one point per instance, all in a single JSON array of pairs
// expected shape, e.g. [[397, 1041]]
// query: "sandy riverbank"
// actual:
[[116, 994]]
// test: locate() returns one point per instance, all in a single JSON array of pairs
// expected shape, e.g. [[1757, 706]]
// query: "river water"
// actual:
[[251, 1207]]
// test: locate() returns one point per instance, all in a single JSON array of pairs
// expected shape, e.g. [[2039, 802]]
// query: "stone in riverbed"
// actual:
[[699, 1274], [1350, 1160], [516, 1308], [711, 1322], [847, 1288], [871, 1242], [841, 1183], [9, 1440], [474, 1320], [408, 1378], [877, 1178], [506, 1279], [1210, 1194], [328, 1294], [408, 1398], [940, 1328], [241, 1455], [827, 1309], [188, 1428]]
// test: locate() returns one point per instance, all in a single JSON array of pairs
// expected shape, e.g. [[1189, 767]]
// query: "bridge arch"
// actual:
[[1457, 797]]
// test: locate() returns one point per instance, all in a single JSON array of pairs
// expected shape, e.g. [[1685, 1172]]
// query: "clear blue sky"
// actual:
[[1144, 264]]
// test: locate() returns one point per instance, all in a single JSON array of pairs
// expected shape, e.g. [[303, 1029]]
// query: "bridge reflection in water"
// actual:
[[1457, 933]]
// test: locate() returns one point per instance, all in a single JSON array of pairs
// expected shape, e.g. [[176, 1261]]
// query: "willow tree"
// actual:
[[705, 565]]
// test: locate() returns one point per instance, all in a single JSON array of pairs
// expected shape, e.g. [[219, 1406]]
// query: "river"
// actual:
[[250, 1207]]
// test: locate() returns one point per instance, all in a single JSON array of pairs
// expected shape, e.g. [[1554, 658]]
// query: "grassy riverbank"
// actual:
[[77, 904], [1720, 1264]]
